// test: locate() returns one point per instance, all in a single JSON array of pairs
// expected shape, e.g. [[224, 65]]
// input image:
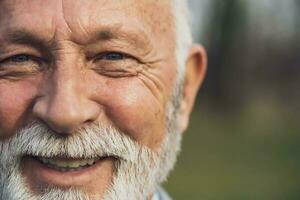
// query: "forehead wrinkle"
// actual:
[[64, 18], [158, 16], [133, 34], [19, 22], [156, 13], [139, 33]]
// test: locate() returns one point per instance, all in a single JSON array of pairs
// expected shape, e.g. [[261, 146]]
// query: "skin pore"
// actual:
[[74, 63]]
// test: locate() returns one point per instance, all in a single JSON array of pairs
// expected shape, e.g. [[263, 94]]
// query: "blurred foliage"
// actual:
[[242, 157], [243, 140]]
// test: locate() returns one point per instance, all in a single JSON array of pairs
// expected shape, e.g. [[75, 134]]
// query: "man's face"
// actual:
[[86, 105], [69, 64]]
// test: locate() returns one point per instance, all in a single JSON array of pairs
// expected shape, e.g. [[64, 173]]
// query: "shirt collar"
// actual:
[[156, 196]]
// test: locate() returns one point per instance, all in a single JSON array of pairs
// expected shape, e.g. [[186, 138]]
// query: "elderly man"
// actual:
[[94, 97]]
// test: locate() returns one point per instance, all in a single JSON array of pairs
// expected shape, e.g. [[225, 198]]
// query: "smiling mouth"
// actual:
[[68, 165]]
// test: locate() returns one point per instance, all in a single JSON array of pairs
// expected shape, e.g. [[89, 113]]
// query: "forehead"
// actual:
[[77, 18]]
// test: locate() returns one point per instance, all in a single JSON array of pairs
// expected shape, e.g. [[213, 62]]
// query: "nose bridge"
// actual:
[[64, 94], [66, 105], [64, 100]]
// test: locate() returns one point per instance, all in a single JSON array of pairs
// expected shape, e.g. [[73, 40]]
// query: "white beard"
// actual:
[[137, 175]]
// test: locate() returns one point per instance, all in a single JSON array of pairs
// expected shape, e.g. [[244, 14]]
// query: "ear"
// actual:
[[195, 71]]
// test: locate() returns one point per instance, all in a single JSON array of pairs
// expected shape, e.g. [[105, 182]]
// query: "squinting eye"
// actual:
[[20, 58], [112, 56]]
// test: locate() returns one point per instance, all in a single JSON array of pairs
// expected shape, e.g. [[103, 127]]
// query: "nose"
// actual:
[[65, 104]]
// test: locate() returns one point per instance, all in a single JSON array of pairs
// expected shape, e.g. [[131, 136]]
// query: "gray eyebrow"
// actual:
[[117, 32]]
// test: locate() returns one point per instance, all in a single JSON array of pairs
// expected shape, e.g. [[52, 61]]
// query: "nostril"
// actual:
[[89, 122]]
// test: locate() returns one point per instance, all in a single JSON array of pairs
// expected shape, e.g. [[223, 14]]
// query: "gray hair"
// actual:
[[183, 34]]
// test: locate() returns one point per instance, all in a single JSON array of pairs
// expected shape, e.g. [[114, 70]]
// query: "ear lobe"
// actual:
[[195, 71]]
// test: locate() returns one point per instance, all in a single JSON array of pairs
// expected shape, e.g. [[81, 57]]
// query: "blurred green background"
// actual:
[[243, 142]]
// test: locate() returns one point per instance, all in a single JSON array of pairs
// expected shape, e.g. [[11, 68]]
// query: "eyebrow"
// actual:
[[24, 37], [137, 39]]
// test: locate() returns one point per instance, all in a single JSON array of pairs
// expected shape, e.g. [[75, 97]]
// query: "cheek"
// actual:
[[131, 107], [15, 100]]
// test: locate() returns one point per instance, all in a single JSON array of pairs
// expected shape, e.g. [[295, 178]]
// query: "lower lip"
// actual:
[[44, 174]]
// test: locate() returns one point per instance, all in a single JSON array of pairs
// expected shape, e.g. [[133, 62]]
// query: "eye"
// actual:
[[20, 58], [23, 63], [112, 56]]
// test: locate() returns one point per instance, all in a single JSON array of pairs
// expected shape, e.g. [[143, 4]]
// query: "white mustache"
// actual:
[[89, 142]]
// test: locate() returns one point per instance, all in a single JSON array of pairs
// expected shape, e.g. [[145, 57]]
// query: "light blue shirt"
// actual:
[[161, 195]]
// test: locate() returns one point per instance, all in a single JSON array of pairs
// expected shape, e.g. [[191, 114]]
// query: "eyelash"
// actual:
[[28, 58], [122, 55], [125, 56], [113, 56]]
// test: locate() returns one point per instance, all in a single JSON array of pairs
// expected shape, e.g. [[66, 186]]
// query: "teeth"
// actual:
[[68, 165]]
